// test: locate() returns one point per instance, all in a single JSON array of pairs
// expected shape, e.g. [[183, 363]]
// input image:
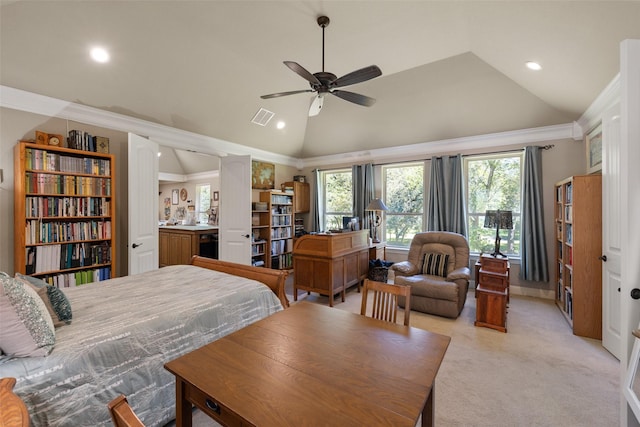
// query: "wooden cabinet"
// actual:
[[330, 263], [177, 244], [64, 214], [578, 223], [492, 292], [301, 196], [276, 228]]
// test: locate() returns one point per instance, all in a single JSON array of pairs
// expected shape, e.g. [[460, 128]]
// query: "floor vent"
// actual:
[[262, 117]]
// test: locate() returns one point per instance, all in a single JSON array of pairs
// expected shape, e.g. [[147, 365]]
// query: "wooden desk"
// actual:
[[330, 263], [313, 365]]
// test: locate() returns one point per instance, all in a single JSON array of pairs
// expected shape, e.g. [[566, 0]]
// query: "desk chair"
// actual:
[[122, 414], [385, 300]]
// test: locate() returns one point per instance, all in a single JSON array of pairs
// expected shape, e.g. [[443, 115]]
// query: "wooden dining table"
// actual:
[[312, 365]]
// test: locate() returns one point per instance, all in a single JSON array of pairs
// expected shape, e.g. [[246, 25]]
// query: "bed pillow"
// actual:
[[435, 264], [55, 300], [27, 329]]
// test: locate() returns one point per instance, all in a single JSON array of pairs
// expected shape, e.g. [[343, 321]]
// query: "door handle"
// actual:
[[246, 235], [135, 245], [635, 293], [603, 258]]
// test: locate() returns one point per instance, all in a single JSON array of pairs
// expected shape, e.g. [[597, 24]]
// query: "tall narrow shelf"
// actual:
[[260, 236], [64, 214], [279, 228], [578, 242]]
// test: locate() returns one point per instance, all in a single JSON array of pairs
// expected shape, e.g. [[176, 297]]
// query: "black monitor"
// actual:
[[350, 223]]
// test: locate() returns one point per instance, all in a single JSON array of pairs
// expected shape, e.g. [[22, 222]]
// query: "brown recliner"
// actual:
[[442, 295]]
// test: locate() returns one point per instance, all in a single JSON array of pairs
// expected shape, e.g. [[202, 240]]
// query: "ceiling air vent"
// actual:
[[262, 117]]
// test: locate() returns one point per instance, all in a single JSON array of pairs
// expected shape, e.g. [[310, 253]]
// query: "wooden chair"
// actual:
[[385, 300], [13, 411], [121, 413]]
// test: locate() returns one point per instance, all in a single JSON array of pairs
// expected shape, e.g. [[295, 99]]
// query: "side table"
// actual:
[[492, 292]]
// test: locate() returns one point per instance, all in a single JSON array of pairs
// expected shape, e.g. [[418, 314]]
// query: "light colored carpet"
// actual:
[[537, 374]]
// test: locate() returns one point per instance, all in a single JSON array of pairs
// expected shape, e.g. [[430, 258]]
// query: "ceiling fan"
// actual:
[[325, 82]]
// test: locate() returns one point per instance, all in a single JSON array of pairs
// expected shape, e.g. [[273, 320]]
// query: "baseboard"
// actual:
[[530, 292]]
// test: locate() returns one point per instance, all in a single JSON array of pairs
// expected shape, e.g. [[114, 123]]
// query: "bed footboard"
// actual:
[[274, 279]]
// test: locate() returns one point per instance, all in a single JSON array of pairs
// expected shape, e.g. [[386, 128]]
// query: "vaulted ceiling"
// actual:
[[450, 68]]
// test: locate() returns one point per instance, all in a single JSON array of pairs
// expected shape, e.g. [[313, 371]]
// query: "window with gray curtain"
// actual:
[[447, 209], [533, 259], [363, 192]]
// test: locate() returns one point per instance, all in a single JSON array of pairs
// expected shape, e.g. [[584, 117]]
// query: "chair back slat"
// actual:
[[385, 300]]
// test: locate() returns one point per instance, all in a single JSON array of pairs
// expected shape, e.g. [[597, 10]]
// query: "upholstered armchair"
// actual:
[[437, 269]]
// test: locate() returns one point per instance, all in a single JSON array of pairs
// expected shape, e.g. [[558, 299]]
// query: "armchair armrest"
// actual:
[[459, 273], [404, 268]]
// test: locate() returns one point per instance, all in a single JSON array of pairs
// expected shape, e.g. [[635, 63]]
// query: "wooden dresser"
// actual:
[[330, 263]]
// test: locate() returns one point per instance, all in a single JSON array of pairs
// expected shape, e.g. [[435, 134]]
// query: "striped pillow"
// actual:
[[435, 264]]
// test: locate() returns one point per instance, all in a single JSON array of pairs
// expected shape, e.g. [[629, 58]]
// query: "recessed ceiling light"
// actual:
[[100, 54], [533, 66], [281, 125], [159, 153]]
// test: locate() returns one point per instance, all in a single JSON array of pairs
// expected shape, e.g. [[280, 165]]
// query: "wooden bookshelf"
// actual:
[[578, 246], [64, 214], [276, 228]]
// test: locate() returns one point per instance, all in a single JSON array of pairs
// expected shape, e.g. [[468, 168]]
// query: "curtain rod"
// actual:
[[544, 147]]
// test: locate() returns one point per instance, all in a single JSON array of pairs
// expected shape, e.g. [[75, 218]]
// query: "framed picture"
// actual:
[[175, 196], [594, 149], [262, 175], [216, 196]]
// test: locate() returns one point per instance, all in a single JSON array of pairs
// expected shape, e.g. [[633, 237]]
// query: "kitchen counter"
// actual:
[[178, 243]]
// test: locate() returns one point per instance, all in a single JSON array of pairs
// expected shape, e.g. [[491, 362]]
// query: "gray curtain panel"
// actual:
[[446, 209], [533, 253], [363, 192], [315, 201]]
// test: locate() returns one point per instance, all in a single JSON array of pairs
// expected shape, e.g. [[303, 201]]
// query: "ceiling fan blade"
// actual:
[[356, 98], [302, 72], [361, 75], [277, 95], [316, 105]]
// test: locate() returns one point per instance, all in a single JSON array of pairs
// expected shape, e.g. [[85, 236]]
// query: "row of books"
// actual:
[[281, 220], [568, 302], [37, 231], [77, 278], [282, 210], [282, 261], [49, 161], [43, 183], [279, 199], [80, 140], [281, 233], [281, 246], [51, 206], [42, 259]]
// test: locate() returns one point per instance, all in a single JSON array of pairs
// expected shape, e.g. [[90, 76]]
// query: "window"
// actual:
[[403, 193], [203, 203], [337, 198], [493, 182]]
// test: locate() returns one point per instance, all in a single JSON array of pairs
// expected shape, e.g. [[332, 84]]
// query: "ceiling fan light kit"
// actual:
[[324, 82]]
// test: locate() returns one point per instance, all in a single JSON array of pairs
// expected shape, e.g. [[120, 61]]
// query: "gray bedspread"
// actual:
[[123, 332]]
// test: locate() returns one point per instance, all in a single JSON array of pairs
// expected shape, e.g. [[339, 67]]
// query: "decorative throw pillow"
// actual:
[[27, 329], [55, 299], [435, 264]]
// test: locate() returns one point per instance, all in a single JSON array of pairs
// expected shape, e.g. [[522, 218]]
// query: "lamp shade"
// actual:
[[499, 219], [376, 205]]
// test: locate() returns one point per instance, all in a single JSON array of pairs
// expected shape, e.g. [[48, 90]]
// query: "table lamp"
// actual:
[[498, 219], [376, 206]]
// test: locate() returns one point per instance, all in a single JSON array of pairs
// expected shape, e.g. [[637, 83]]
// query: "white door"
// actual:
[[611, 231], [629, 207], [235, 209], [142, 243]]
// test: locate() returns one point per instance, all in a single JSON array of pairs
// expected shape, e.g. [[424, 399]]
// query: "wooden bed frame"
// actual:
[[274, 279]]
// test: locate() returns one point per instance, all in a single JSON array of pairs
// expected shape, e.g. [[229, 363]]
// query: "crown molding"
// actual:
[[609, 96], [17, 99], [426, 149]]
